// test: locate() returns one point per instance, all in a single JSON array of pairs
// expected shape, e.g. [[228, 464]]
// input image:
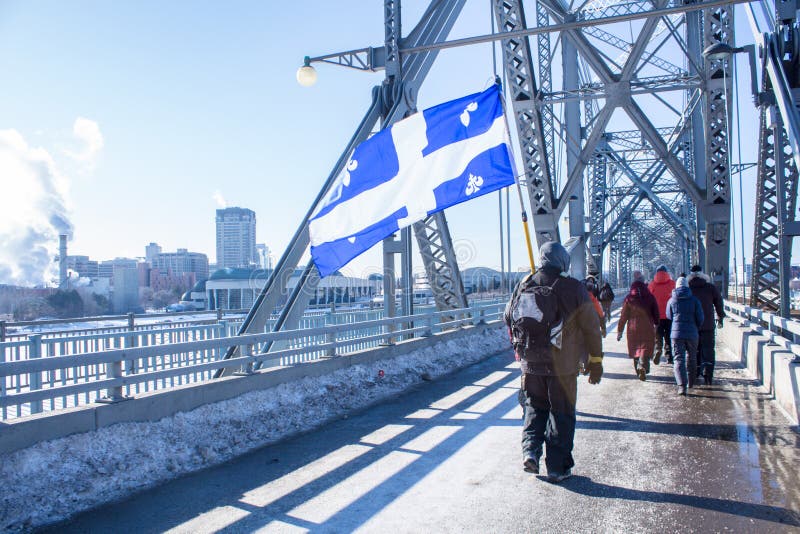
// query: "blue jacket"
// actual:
[[686, 313]]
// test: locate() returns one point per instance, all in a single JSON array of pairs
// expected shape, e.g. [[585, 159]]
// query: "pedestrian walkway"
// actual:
[[446, 458]]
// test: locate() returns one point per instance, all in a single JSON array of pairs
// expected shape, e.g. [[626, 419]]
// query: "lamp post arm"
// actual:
[[751, 56], [369, 59]]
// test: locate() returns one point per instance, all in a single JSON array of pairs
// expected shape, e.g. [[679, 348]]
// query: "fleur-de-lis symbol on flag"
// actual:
[[351, 166], [465, 114], [474, 184]]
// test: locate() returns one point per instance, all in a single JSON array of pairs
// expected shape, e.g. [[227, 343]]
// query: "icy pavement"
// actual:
[[445, 458], [53, 480]]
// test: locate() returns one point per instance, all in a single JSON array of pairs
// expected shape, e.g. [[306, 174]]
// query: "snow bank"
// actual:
[[53, 480]]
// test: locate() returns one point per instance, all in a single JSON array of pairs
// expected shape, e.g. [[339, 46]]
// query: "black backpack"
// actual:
[[606, 294], [534, 316]]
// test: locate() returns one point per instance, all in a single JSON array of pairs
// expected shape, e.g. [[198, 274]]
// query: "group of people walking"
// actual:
[[674, 318], [557, 323]]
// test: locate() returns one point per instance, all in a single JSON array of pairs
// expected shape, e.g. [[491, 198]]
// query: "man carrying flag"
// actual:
[[425, 163]]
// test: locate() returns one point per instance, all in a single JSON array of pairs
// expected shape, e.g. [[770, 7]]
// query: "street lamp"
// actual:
[[306, 75], [722, 51]]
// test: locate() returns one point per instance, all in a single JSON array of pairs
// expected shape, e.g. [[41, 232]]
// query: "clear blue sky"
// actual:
[[194, 98]]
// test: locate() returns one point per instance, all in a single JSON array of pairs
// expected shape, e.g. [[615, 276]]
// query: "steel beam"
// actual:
[[528, 119], [716, 208]]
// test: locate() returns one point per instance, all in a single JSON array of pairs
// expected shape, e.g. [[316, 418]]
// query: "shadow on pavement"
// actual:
[[764, 435], [584, 485], [631, 376]]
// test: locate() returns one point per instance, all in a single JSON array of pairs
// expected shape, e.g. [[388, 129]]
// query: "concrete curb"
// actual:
[[24, 432], [769, 363]]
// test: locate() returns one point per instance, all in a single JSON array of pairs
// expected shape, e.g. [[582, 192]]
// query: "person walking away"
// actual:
[[686, 315], [591, 288], [640, 314], [552, 323], [606, 298], [661, 287], [711, 301]]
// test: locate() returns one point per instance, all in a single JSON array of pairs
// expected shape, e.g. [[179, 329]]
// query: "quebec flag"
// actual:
[[425, 163]]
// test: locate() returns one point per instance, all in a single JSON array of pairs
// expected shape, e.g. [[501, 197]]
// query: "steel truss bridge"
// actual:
[[620, 108]]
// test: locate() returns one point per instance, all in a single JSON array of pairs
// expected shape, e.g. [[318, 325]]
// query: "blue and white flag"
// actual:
[[425, 163]]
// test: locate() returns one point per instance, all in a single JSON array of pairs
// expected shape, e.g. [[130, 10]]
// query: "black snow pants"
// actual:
[[549, 419]]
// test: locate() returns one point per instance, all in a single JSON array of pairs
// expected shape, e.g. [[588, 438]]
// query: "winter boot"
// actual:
[[531, 465], [640, 372]]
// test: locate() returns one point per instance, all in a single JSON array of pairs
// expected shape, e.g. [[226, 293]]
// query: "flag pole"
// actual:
[[525, 227], [519, 192]]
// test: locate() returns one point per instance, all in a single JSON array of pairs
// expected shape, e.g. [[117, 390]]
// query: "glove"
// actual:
[[719, 322], [619, 336], [595, 369], [583, 368], [603, 328]]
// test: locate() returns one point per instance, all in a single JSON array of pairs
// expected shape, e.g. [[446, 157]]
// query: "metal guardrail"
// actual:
[[781, 331], [47, 381]]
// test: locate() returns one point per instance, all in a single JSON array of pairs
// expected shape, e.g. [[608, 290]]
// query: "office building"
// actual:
[[182, 262], [236, 238], [107, 268], [264, 256], [126, 290], [82, 265], [150, 252]]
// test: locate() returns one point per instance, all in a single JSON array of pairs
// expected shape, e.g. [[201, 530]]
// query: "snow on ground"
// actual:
[[53, 480]]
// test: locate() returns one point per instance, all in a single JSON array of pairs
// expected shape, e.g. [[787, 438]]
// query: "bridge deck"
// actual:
[[446, 457]]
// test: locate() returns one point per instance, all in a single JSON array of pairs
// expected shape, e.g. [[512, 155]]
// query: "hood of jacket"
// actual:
[[554, 256], [682, 292], [662, 277], [698, 279]]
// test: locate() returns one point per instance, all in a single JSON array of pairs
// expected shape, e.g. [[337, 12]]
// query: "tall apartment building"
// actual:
[[182, 262], [236, 238]]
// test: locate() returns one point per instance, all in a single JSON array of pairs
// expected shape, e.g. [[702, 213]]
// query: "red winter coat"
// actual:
[[661, 287], [640, 313]]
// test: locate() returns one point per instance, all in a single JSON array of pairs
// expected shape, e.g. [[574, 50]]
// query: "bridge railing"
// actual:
[[782, 331], [48, 381]]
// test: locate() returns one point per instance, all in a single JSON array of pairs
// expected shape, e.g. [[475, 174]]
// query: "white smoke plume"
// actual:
[[219, 199], [76, 280], [88, 133], [33, 212]]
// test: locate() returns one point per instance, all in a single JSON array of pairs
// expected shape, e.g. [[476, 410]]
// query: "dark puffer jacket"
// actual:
[[581, 332], [709, 297], [686, 314]]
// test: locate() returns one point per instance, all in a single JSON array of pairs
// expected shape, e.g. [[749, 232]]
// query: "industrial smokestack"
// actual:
[[62, 260]]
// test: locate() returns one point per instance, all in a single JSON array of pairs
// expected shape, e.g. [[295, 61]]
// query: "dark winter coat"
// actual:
[[581, 331], [640, 314], [661, 287], [686, 314], [606, 293], [710, 299]]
